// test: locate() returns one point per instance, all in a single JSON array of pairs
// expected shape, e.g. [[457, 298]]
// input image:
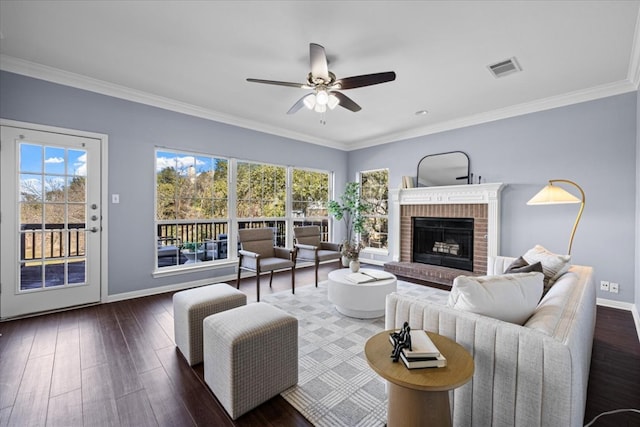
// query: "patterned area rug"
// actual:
[[336, 387]]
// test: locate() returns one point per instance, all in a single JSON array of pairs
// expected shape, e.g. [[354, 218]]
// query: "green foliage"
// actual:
[[190, 194], [350, 209], [190, 246], [261, 190], [310, 192]]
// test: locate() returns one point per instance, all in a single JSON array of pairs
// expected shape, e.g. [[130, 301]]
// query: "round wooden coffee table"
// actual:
[[419, 397]]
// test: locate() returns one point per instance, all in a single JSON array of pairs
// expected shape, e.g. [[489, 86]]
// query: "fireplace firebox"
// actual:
[[447, 242]]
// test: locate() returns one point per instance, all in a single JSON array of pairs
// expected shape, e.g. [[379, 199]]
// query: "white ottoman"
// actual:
[[190, 307], [250, 355], [360, 300]]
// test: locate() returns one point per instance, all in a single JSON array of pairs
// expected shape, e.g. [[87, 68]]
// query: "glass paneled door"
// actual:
[[51, 221]]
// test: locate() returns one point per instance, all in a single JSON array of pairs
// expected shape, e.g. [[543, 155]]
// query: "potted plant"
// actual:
[[191, 250], [350, 209]]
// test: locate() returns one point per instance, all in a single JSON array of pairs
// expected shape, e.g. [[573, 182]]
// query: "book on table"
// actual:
[[424, 362], [421, 346], [423, 353], [368, 276]]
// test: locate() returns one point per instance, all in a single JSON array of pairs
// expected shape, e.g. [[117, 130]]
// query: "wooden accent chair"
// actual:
[[309, 247], [259, 254]]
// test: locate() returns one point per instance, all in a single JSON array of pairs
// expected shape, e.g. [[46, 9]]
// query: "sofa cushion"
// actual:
[[522, 266], [553, 265], [510, 297]]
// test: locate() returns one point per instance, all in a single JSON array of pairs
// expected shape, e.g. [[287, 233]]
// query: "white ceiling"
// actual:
[[195, 56]]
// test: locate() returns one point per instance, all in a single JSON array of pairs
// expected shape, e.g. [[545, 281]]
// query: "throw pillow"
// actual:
[[522, 266], [553, 265], [510, 297]]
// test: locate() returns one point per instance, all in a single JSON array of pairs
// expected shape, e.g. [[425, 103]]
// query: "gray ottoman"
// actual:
[[250, 355], [190, 307]]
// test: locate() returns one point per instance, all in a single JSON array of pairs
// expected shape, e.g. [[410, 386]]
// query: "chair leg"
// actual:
[[293, 279], [317, 266], [271, 278], [238, 278], [258, 285]]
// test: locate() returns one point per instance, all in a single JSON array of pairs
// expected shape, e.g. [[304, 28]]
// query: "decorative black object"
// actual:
[[401, 339]]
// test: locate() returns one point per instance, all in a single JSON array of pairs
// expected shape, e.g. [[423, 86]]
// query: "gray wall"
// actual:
[[592, 143], [134, 131]]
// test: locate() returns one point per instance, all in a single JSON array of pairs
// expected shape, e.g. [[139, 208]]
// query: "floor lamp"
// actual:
[[553, 195]]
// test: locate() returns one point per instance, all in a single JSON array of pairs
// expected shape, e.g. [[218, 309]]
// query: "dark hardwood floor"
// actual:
[[116, 364]]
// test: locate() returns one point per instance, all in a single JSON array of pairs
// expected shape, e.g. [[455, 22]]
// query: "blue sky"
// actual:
[[182, 162], [52, 160]]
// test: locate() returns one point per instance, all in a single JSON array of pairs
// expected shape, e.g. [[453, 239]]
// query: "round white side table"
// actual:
[[360, 300]]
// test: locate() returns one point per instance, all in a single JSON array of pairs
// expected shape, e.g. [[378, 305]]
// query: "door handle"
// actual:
[[93, 229]]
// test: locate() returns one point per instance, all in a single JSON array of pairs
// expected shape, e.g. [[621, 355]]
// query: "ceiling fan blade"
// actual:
[[318, 59], [299, 104], [277, 83], [365, 80], [347, 102]]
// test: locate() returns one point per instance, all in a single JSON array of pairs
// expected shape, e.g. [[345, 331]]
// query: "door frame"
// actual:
[[104, 193]]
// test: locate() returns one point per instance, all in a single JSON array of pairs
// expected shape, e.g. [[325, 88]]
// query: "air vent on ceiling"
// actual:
[[504, 68]]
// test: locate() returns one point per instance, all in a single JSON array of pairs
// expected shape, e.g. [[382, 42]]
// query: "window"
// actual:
[[193, 215], [310, 194], [261, 198], [375, 190], [192, 212]]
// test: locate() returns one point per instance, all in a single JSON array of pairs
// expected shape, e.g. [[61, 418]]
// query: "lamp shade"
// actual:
[[553, 195]]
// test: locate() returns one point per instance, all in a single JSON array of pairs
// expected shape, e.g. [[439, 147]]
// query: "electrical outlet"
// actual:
[[613, 287], [604, 285]]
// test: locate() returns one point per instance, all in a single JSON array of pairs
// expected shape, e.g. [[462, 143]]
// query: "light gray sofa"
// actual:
[[530, 375]]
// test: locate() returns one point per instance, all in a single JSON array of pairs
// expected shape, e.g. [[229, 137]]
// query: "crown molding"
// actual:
[[55, 75], [633, 75], [590, 94], [43, 72]]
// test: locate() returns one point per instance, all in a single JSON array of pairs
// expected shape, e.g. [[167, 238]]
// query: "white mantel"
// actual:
[[445, 195]]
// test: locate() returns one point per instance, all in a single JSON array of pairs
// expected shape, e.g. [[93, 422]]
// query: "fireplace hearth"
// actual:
[[446, 242]]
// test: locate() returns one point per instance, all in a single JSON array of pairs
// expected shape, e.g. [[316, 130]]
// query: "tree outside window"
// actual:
[[375, 190], [310, 195], [191, 207]]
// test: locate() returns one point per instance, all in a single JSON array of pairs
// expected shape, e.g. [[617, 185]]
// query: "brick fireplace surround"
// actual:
[[480, 202]]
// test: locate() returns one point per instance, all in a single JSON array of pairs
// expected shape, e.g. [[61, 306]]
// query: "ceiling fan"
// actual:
[[325, 85]]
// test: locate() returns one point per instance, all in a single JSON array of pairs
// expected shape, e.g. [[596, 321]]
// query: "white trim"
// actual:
[[201, 266], [104, 189], [633, 74], [38, 71], [43, 72], [589, 94], [169, 288], [621, 305]]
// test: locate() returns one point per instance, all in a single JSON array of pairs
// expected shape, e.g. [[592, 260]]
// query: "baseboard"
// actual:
[[622, 306], [186, 285], [170, 288]]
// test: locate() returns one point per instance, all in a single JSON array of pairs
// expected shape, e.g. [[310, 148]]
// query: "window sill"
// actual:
[[375, 251], [200, 266]]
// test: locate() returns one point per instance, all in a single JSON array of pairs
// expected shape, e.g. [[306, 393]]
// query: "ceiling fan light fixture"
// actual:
[[310, 101], [320, 108], [333, 101], [322, 97]]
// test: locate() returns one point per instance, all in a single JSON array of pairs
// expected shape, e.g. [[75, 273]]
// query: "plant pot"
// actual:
[[354, 265]]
